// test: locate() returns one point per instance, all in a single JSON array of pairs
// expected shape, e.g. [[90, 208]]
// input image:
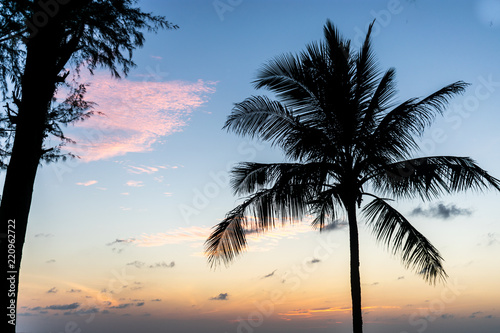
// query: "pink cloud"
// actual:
[[142, 169], [88, 183], [134, 183], [196, 236], [136, 115]]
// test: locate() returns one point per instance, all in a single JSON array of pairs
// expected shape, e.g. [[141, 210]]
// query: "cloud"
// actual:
[[220, 297], [50, 261], [474, 314], [141, 169], [314, 261], [401, 277], [52, 290], [177, 236], [87, 183], [335, 225], [74, 290], [162, 265], [121, 241], [71, 306], [136, 114], [134, 183], [121, 306], [269, 275], [126, 305], [136, 263], [44, 235], [441, 211], [199, 235], [307, 313], [492, 239], [156, 300], [447, 316], [87, 311]]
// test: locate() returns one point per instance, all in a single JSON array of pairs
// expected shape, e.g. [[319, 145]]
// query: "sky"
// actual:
[[115, 238]]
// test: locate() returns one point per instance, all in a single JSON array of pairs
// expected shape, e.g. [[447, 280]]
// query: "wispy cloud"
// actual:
[[269, 275], [134, 183], [136, 114], [441, 211], [71, 306], [474, 314], [87, 183], [220, 297], [50, 261], [136, 263], [492, 239], [196, 236], [318, 311], [121, 241], [126, 305], [162, 265], [142, 169], [52, 290], [44, 235], [314, 261], [74, 290]]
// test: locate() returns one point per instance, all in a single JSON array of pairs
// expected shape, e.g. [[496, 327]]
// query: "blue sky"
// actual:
[[115, 238]]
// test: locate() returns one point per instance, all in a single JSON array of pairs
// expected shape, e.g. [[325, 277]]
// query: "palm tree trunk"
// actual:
[[357, 320]]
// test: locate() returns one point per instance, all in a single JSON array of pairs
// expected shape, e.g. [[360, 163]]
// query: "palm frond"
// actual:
[[284, 75], [271, 121], [325, 208], [395, 132], [250, 177], [366, 73], [260, 212], [379, 102], [430, 177], [394, 231], [227, 239], [259, 116]]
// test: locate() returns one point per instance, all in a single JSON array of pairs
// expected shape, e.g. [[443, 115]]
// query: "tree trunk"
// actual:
[[357, 320], [37, 87], [14, 210]]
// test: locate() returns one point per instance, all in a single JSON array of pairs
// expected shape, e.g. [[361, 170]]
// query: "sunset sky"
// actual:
[[115, 238]]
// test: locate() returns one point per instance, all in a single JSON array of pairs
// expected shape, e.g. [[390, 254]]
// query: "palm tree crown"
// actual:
[[338, 125]]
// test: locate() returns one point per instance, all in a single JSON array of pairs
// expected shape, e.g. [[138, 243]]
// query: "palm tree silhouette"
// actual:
[[345, 139]]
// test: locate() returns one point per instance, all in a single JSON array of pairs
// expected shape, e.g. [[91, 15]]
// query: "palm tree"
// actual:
[[345, 139]]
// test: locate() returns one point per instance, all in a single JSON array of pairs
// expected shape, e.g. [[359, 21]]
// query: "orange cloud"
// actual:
[[136, 115], [306, 313]]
